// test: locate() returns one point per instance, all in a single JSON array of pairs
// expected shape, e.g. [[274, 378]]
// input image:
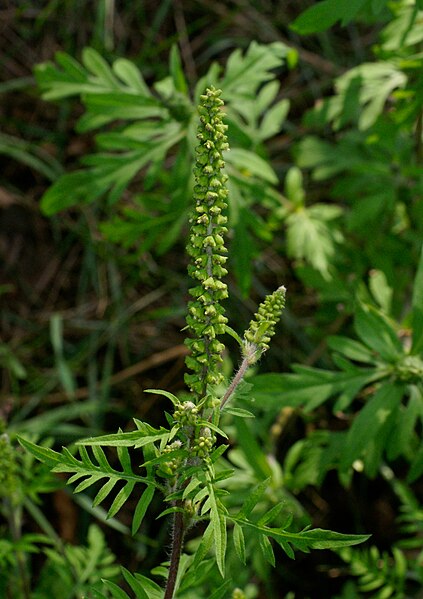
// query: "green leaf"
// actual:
[[403, 31], [252, 450], [135, 585], [243, 74], [294, 187], [326, 159], [153, 590], [305, 540], [354, 350], [267, 550], [104, 491], [130, 75], [221, 591], [117, 592], [377, 332], [193, 484], [100, 456], [121, 498], [239, 542], [176, 70], [170, 510], [216, 453], [363, 91], [267, 95], [200, 495], [124, 458], [204, 546], [213, 427], [378, 6], [165, 457], [239, 412], [110, 173], [309, 386], [68, 190], [274, 119], [167, 394], [379, 81], [218, 522], [31, 155], [416, 467], [253, 498], [250, 164], [380, 290], [369, 428], [234, 335], [44, 454], [142, 507], [417, 309], [136, 439], [88, 482], [95, 63], [324, 14], [311, 238], [411, 414], [272, 514], [135, 106]]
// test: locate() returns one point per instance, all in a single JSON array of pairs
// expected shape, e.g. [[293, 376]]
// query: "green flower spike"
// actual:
[[205, 319], [257, 337], [262, 327]]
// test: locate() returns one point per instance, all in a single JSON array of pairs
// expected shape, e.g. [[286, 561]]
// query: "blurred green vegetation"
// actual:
[[92, 293]]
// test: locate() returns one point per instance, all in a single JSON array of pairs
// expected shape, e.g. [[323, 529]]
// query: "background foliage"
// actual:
[[325, 117]]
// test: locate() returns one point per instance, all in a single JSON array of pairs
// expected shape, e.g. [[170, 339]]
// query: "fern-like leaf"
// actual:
[[88, 472], [378, 573]]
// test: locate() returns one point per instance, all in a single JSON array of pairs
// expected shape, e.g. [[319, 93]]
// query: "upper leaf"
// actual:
[[324, 14], [370, 428], [244, 73], [307, 539], [417, 306], [377, 332]]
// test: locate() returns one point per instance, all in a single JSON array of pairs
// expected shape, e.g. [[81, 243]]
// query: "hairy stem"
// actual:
[[235, 381], [175, 556]]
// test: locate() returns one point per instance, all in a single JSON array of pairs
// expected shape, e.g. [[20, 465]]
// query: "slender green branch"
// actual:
[[245, 364], [257, 336]]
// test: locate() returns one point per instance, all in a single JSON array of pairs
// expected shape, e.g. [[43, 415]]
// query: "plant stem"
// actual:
[[14, 518], [235, 381], [175, 556], [419, 144]]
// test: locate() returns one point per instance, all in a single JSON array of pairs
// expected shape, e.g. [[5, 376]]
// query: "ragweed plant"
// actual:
[[183, 461]]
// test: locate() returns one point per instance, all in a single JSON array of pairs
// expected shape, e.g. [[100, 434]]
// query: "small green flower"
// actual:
[[186, 413], [171, 467], [262, 327], [204, 443], [206, 247]]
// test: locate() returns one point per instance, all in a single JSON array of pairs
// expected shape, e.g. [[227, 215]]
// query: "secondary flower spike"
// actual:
[[262, 327], [205, 319]]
